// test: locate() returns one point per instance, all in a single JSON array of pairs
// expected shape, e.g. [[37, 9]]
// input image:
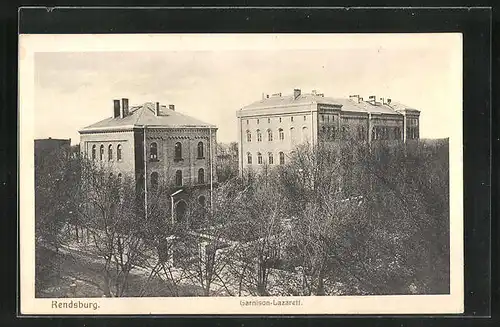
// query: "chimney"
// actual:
[[372, 99], [116, 108], [171, 107], [313, 92], [382, 101], [267, 96], [157, 109], [124, 107], [388, 101], [355, 97], [296, 94]]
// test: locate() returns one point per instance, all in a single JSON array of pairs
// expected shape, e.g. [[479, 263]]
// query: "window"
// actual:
[[93, 152], [178, 151], [153, 151], [201, 176], [110, 152], [268, 120], [120, 178], [291, 119], [305, 118], [292, 134], [257, 121], [119, 152], [200, 150], [322, 117], [101, 153], [327, 118], [305, 134], [328, 132], [247, 121], [282, 158], [269, 135], [344, 132], [154, 180], [271, 159], [259, 158], [178, 178], [201, 200], [249, 136], [281, 134], [280, 119], [249, 158], [259, 136], [374, 134]]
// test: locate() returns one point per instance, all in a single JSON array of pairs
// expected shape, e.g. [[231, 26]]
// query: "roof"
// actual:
[[350, 105], [144, 115]]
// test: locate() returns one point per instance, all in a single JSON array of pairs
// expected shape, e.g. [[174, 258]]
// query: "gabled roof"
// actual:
[[350, 105], [144, 115]]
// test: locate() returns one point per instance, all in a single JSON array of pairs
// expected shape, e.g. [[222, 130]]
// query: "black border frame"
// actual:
[[474, 23]]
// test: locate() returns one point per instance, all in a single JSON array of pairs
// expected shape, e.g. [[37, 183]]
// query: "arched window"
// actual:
[[201, 200], [257, 120], [259, 158], [201, 176], [268, 120], [200, 150], [119, 152], [153, 151], [269, 135], [249, 136], [292, 134], [249, 158], [101, 153], [259, 136], [154, 179], [178, 151], [305, 134], [282, 158], [305, 118], [93, 151], [180, 211], [178, 178], [120, 178], [344, 132], [271, 158], [110, 152], [281, 134], [291, 119]]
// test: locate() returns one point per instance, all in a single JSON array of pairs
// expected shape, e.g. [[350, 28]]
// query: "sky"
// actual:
[[74, 89]]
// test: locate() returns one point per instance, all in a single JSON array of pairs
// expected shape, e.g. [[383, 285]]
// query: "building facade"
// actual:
[[155, 145], [269, 129]]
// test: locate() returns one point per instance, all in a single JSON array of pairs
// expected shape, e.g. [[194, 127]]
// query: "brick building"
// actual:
[[154, 144], [270, 128]]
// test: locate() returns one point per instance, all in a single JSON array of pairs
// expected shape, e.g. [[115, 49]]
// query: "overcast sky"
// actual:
[[76, 89]]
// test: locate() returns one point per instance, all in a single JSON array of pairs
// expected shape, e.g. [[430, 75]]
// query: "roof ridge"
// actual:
[[140, 114]]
